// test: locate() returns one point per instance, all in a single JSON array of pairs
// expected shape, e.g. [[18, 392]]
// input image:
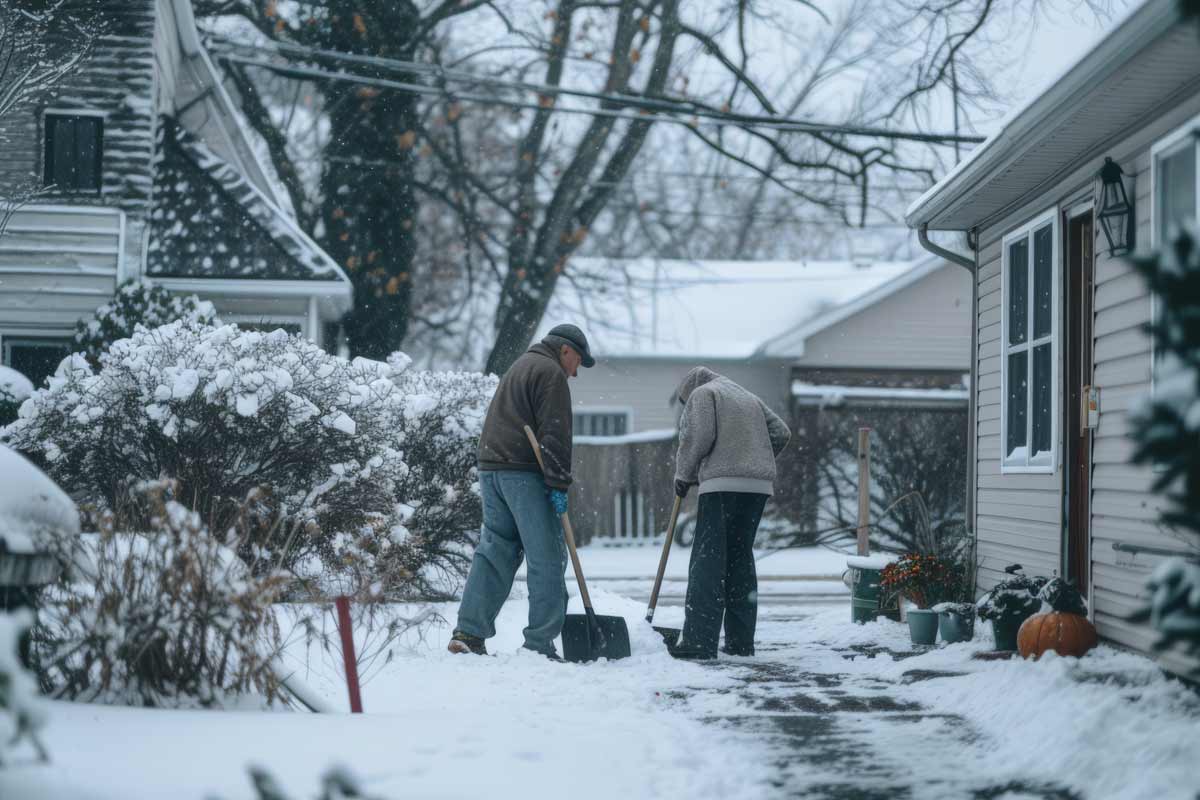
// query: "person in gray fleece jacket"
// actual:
[[728, 443]]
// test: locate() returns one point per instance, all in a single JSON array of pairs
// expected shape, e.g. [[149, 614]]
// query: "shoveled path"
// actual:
[[835, 730]]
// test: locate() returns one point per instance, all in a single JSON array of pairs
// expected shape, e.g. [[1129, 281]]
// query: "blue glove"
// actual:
[[558, 499]]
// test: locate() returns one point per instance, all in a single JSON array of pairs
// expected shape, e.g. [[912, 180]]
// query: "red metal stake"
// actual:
[[343, 612]]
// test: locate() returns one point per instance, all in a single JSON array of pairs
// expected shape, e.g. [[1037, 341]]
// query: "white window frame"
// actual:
[[626, 411], [1048, 463], [1168, 145]]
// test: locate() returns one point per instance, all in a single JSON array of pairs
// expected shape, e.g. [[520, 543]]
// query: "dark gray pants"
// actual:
[[722, 583]]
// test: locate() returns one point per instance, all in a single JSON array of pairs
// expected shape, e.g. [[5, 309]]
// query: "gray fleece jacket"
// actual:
[[728, 438]]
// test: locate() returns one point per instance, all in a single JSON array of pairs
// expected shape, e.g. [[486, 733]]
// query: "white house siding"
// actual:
[[923, 326], [1019, 517], [57, 264], [645, 385]]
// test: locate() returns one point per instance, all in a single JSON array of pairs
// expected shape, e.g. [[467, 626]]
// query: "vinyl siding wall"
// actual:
[[1019, 517], [923, 326]]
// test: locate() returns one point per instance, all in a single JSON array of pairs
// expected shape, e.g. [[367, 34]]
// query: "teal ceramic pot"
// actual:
[[922, 625]]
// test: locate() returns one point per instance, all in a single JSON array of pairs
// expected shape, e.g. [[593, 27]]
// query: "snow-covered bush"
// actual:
[[136, 303], [422, 548], [437, 427], [1167, 430], [20, 719], [14, 388], [1012, 597], [168, 616], [224, 413]]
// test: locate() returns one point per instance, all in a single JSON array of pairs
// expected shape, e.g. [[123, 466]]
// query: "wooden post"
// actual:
[[348, 657], [864, 489]]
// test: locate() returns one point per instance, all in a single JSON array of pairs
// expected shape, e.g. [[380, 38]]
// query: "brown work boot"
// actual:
[[462, 643]]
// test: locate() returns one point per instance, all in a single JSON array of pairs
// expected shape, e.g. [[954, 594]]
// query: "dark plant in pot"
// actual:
[[925, 580], [956, 621], [1009, 603]]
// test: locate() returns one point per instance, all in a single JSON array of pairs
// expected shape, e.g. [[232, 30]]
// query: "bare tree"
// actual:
[[40, 44], [465, 164]]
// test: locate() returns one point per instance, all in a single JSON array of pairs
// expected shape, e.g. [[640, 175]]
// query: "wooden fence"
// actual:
[[624, 486]]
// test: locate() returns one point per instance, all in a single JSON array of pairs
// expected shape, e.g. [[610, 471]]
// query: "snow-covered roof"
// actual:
[[790, 343], [661, 308], [210, 221], [836, 395], [1118, 84]]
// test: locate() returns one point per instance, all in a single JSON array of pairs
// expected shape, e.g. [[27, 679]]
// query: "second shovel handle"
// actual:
[[662, 561], [568, 532]]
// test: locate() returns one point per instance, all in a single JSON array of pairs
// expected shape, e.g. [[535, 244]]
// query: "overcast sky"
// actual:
[[1060, 38]]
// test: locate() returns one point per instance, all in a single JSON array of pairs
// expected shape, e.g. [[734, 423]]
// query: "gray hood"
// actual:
[[696, 377]]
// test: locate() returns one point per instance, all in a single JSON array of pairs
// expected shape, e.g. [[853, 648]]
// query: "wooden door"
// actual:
[[1078, 319]]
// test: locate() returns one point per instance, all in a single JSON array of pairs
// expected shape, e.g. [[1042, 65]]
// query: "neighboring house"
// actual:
[[1059, 317], [155, 176], [776, 328]]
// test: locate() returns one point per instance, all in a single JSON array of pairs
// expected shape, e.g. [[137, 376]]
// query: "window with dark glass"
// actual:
[[1027, 398], [73, 149], [35, 357]]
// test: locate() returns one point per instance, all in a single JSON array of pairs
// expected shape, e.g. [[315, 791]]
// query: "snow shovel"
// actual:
[[669, 635], [587, 636]]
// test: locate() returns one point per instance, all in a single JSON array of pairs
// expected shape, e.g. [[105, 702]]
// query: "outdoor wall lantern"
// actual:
[[1116, 212]]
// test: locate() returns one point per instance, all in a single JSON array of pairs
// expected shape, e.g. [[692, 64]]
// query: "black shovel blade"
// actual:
[[669, 635], [587, 638]]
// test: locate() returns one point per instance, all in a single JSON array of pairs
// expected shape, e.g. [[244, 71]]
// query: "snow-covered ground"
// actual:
[[826, 709]]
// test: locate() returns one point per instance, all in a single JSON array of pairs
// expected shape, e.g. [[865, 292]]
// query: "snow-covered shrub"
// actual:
[[225, 414], [1012, 597], [1060, 594], [1167, 430], [20, 718], [437, 426], [168, 616], [136, 303], [422, 547], [14, 388]]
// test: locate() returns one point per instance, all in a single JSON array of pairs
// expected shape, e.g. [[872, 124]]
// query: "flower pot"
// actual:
[[922, 625], [1004, 629], [955, 627]]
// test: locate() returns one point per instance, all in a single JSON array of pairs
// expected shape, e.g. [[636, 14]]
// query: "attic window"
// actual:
[[73, 147]]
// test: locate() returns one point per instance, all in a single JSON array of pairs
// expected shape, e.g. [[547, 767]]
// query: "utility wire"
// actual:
[[225, 49]]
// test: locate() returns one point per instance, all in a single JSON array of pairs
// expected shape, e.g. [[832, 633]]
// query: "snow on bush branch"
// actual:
[[136, 303], [167, 616], [365, 466]]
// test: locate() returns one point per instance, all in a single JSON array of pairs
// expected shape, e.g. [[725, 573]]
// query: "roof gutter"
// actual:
[[951, 256], [973, 402]]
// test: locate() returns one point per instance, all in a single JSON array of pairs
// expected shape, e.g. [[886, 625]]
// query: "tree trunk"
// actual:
[[369, 213]]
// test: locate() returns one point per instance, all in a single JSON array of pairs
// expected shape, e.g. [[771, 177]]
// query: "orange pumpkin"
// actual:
[[1065, 634]]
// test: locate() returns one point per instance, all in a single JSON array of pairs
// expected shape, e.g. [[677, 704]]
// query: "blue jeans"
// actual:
[[518, 521]]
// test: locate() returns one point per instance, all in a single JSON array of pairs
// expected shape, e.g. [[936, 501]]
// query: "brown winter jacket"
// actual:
[[533, 392]]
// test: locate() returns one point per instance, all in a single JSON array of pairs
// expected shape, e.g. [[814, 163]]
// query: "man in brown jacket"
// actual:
[[521, 505]]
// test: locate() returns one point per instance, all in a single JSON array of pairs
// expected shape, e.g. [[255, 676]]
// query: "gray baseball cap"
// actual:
[[573, 336]]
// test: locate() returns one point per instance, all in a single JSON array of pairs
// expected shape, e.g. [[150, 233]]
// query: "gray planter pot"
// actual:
[[955, 627], [922, 625]]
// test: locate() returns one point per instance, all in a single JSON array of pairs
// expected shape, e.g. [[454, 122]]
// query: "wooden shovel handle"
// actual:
[[662, 561], [568, 532]]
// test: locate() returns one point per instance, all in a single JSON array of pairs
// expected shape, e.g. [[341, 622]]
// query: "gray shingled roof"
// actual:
[[209, 221]]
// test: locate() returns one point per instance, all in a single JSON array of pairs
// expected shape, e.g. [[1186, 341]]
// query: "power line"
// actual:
[[653, 107]]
